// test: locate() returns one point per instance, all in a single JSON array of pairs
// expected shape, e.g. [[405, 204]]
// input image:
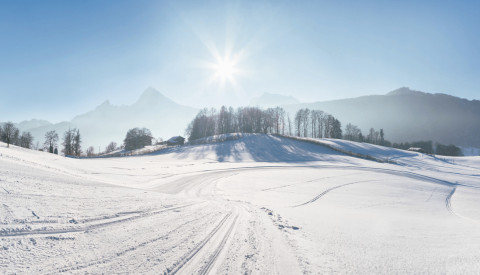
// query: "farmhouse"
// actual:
[[178, 140]]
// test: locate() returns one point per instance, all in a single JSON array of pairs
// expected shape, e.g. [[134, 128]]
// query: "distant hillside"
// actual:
[[408, 115], [272, 100], [108, 122]]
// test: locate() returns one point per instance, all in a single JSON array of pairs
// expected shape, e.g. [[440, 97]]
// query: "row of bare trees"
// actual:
[[307, 123], [11, 135], [316, 124], [352, 132], [209, 122], [71, 142]]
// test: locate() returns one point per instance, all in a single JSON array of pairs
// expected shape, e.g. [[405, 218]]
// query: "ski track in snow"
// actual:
[[329, 190], [448, 201], [87, 227]]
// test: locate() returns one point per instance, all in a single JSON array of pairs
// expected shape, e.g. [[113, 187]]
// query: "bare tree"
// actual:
[[371, 136], [77, 148], [382, 137], [51, 139], [8, 133], [112, 146], [306, 119], [289, 125], [67, 143], [72, 142], [299, 122], [90, 151], [352, 132], [26, 140]]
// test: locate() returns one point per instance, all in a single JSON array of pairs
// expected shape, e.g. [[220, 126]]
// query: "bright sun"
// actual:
[[224, 70]]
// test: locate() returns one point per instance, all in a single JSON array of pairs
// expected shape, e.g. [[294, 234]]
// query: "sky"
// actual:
[[59, 59]]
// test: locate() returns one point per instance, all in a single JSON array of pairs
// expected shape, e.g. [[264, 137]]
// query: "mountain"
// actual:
[[272, 100], [27, 125], [108, 122], [30, 124], [409, 115]]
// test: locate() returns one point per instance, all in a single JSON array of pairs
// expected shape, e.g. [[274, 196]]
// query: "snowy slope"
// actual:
[[258, 204]]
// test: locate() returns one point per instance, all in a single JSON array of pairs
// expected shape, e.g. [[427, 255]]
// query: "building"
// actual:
[[178, 140]]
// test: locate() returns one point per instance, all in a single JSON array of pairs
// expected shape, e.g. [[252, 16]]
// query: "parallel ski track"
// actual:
[[89, 227], [125, 251], [182, 261], [448, 201], [207, 267]]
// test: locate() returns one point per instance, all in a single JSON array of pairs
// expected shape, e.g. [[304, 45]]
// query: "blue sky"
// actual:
[[59, 59]]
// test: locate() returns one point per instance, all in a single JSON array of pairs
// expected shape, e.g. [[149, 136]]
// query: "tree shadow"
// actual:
[[257, 148]]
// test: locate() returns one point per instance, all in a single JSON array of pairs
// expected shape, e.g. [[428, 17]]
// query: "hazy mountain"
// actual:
[[272, 100], [108, 122], [30, 124], [27, 125], [408, 115]]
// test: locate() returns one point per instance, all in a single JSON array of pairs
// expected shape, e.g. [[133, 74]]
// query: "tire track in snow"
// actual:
[[88, 227], [329, 190]]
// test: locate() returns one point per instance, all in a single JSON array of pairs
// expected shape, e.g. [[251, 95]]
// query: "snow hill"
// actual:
[[250, 204]]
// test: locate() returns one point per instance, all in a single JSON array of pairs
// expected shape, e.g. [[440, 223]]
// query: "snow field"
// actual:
[[259, 204]]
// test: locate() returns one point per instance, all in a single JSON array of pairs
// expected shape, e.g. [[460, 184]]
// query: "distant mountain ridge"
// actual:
[[108, 122], [409, 115], [404, 114]]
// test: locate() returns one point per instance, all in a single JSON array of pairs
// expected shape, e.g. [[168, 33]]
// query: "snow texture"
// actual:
[[257, 204]]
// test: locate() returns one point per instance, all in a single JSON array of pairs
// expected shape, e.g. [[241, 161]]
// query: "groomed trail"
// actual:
[[259, 204]]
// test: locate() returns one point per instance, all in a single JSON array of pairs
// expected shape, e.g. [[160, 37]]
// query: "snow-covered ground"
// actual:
[[259, 204]]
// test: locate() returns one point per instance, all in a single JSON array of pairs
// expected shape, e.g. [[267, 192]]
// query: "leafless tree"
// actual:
[[26, 140], [90, 151], [8, 133], [51, 139], [112, 146]]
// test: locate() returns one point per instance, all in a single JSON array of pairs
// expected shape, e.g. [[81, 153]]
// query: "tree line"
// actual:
[[11, 135], [306, 123], [209, 122], [430, 148]]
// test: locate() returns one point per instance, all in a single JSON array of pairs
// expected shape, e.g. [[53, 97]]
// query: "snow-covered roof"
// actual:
[[175, 139]]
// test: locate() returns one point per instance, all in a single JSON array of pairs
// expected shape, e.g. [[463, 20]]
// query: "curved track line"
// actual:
[[448, 201], [448, 205], [327, 191]]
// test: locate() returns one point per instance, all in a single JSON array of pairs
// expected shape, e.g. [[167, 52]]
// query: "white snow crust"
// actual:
[[254, 204]]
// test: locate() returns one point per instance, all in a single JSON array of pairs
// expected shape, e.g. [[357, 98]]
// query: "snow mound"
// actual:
[[254, 148]]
